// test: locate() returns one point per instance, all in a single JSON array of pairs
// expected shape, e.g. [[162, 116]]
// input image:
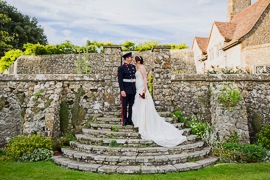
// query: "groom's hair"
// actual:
[[139, 58]]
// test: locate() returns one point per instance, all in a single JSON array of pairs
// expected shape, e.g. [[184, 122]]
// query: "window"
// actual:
[[263, 69]]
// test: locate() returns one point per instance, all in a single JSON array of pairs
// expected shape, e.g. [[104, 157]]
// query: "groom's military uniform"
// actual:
[[126, 80]]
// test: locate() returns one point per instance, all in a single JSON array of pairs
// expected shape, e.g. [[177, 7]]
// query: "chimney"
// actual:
[[235, 7]]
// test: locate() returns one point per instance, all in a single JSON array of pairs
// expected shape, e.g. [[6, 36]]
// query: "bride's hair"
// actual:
[[139, 58]]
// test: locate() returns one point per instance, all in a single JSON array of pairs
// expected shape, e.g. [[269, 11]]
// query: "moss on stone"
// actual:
[[257, 121], [48, 103], [64, 118], [23, 112], [36, 109], [92, 96], [89, 121], [21, 98], [2, 103], [78, 112]]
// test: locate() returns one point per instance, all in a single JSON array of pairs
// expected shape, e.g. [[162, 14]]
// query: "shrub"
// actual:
[[115, 129], [177, 46], [64, 117], [3, 151], [9, 59], [63, 141], [227, 70], [264, 136], [40, 154], [27, 144], [128, 46], [146, 46], [234, 138], [235, 152], [178, 115], [230, 96], [198, 128], [113, 143]]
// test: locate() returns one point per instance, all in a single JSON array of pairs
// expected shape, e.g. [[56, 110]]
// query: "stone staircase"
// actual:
[[108, 147]]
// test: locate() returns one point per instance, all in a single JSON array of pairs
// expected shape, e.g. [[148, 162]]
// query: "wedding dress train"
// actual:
[[151, 126]]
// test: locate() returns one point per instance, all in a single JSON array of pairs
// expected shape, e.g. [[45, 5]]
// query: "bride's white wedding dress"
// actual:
[[151, 125]]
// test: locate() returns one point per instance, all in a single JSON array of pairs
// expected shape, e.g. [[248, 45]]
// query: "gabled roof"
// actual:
[[240, 25], [247, 19], [202, 43], [226, 29]]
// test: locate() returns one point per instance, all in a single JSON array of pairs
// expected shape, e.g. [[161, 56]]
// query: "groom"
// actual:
[[126, 80]]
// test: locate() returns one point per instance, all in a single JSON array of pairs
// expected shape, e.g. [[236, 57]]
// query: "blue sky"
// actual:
[[166, 21]]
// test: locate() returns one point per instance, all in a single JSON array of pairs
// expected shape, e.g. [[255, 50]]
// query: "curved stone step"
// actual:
[[120, 128], [88, 139], [130, 151], [135, 160], [116, 121], [109, 169], [119, 135]]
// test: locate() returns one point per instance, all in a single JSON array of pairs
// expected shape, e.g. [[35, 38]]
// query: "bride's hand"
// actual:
[[142, 95]]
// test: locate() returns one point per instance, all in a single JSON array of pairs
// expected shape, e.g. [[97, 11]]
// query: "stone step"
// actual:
[[119, 135], [111, 169], [118, 121], [117, 108], [135, 160], [116, 112], [135, 151], [88, 139], [120, 128]]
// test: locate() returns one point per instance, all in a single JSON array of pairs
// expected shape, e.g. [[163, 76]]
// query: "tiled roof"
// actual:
[[246, 20], [226, 29], [240, 25], [202, 43]]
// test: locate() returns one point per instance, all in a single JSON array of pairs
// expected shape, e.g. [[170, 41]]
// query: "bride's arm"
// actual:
[[144, 75]]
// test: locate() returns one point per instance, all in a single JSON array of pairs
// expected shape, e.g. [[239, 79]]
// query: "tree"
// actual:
[[5, 37], [21, 28]]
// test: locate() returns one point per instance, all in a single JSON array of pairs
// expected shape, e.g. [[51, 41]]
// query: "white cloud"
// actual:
[[170, 21], [66, 32], [205, 2]]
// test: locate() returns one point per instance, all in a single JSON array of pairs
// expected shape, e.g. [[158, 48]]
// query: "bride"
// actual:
[[151, 126]]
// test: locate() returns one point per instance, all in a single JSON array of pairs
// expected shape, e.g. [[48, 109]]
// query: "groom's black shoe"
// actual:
[[124, 123]]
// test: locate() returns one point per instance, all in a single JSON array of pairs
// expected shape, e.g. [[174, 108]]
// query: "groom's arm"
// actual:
[[120, 78]]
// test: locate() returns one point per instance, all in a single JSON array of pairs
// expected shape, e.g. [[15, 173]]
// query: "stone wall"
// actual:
[[182, 62], [260, 34], [31, 103], [235, 7], [192, 94]]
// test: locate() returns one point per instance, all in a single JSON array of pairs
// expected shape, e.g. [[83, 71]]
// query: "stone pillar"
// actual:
[[42, 109], [235, 7], [228, 120], [162, 93], [112, 58]]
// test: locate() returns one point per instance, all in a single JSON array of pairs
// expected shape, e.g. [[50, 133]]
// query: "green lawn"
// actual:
[[48, 170]]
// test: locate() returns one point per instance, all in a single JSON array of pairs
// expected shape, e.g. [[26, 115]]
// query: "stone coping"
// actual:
[[100, 77], [52, 77], [220, 77]]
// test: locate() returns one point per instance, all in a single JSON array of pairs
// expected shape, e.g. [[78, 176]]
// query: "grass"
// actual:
[[48, 170]]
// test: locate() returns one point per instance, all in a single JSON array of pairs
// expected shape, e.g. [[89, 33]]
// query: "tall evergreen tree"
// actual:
[[22, 28]]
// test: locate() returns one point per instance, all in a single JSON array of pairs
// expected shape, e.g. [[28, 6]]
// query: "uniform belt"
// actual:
[[129, 80]]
